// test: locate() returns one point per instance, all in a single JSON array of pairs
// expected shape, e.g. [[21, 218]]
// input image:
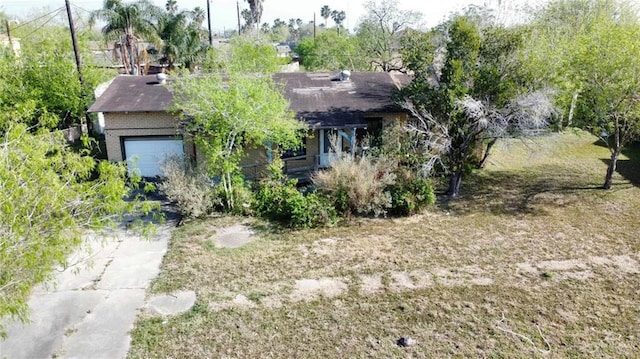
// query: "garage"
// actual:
[[144, 154]]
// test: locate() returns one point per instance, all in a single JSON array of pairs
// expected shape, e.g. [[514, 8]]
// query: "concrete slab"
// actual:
[[51, 315], [104, 333], [131, 272], [82, 276], [88, 311], [171, 304]]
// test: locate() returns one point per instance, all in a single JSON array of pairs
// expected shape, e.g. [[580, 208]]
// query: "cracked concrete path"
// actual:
[[88, 309]]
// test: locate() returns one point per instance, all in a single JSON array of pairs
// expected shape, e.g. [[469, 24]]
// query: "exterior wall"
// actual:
[[312, 143], [254, 164], [389, 119], [139, 124]]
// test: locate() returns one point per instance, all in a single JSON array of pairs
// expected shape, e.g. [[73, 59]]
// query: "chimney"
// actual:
[[162, 78], [344, 75]]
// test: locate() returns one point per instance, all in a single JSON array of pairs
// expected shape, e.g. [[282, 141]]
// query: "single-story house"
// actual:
[[344, 106]]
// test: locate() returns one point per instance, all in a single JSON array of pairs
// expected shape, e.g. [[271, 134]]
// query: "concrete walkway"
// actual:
[[88, 311]]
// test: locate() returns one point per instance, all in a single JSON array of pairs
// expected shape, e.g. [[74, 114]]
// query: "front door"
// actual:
[[329, 139]]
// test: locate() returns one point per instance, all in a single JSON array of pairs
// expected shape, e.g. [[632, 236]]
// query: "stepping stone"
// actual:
[[171, 304]]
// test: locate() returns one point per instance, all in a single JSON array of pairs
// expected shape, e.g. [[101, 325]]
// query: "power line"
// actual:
[[44, 23], [57, 11]]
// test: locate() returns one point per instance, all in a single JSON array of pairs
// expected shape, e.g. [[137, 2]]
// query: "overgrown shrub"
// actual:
[[358, 186], [411, 193], [279, 200], [188, 186], [241, 195]]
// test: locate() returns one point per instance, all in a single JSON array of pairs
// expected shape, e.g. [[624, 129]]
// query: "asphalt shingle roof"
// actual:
[[320, 99], [134, 94]]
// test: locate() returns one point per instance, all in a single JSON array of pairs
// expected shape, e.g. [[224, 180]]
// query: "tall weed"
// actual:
[[188, 186], [358, 185]]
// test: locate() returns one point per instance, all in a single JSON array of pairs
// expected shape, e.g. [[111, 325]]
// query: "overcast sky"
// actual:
[[224, 11]]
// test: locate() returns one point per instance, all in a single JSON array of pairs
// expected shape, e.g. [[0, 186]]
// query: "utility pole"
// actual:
[[238, 11], [314, 26], [6, 24], [87, 120], [209, 22], [75, 42]]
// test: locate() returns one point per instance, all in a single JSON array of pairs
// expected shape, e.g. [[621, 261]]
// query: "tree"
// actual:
[[265, 28], [589, 49], [380, 30], [244, 55], [330, 52], [48, 200], [227, 116], [279, 30], [199, 15], [171, 6], [460, 96], [338, 17], [41, 88], [127, 23], [248, 20], [256, 12], [325, 12], [182, 38]]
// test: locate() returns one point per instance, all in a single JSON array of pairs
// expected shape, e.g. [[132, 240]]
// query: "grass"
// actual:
[[534, 260]]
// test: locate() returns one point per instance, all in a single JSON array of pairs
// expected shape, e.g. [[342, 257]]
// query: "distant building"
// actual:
[[14, 44]]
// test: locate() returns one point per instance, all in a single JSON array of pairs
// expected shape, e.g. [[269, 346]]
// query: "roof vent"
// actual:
[[162, 78], [344, 75]]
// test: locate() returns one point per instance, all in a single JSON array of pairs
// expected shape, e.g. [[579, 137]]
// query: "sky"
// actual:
[[223, 12]]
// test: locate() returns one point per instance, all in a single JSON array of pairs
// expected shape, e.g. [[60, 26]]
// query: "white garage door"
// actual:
[[144, 154]]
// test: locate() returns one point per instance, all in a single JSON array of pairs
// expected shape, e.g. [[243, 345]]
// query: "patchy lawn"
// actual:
[[533, 261]]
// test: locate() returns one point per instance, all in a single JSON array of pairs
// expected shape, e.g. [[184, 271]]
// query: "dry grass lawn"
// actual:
[[533, 261]]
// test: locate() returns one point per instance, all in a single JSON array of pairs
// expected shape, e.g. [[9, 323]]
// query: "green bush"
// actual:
[[410, 194], [279, 200]]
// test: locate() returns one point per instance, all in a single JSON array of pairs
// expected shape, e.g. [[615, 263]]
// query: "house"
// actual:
[[342, 108]]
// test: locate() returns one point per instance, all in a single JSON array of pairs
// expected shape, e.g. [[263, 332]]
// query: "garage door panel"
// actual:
[[144, 155]]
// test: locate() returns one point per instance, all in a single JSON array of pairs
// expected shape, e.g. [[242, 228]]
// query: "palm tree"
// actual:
[[256, 11], [171, 6], [198, 14], [325, 12], [248, 19], [182, 38], [127, 24], [338, 17]]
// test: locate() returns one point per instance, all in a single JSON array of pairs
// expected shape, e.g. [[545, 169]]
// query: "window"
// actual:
[[296, 152]]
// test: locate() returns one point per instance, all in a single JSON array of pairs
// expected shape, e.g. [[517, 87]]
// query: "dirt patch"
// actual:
[[309, 289], [562, 265], [626, 264], [370, 284], [320, 247], [234, 236], [401, 281]]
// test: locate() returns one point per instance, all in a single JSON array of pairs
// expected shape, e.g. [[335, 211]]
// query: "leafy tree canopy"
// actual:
[[330, 52], [589, 50], [48, 198], [380, 31], [244, 54], [467, 89], [229, 113]]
